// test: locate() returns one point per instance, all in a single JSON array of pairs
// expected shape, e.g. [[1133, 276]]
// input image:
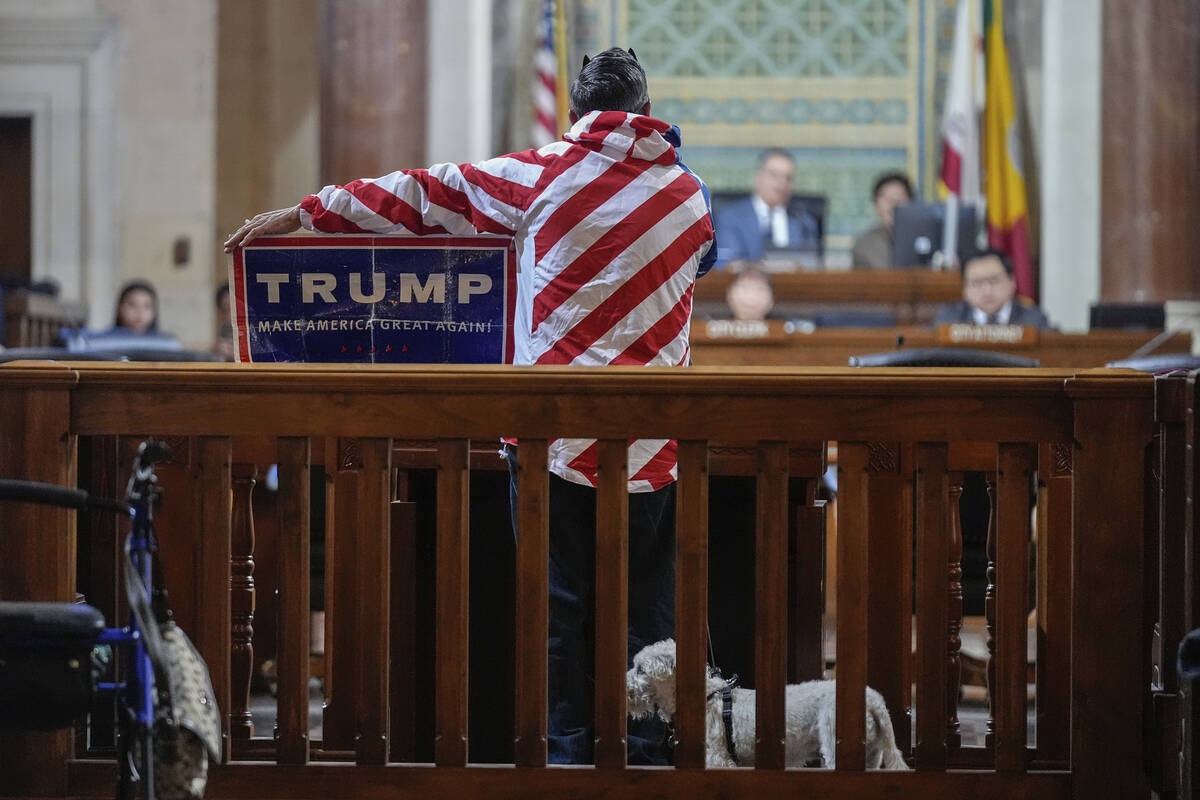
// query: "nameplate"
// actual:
[[961, 333], [374, 299], [740, 329]]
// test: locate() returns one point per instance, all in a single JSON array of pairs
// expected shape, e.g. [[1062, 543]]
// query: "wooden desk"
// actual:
[[913, 294], [830, 347]]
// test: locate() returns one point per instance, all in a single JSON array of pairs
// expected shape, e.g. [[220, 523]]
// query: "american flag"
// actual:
[[611, 231], [549, 76], [965, 98]]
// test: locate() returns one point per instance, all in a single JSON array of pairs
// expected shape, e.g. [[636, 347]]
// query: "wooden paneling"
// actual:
[[294, 532], [404, 690], [770, 585], [1054, 601], [890, 594], [373, 79], [16, 176], [852, 591], [373, 551], [1107, 495], [612, 599], [213, 589], [341, 599], [91, 780], [933, 552], [532, 600], [833, 347], [806, 574], [913, 295], [1015, 465], [1150, 156], [453, 541], [1190, 708], [691, 602]]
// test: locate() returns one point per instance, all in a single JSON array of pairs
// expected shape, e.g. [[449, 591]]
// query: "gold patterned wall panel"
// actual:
[[847, 86]]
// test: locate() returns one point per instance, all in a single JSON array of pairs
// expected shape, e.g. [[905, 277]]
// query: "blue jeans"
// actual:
[[572, 609]]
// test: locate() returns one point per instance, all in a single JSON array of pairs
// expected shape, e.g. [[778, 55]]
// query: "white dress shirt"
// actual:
[[773, 218], [1002, 316]]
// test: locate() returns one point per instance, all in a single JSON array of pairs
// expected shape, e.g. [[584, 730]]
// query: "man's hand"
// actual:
[[283, 220]]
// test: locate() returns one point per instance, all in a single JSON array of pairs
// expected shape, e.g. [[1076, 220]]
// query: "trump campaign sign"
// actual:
[[374, 299]]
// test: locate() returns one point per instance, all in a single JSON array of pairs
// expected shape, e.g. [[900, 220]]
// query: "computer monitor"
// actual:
[[1128, 316], [917, 233], [788, 259]]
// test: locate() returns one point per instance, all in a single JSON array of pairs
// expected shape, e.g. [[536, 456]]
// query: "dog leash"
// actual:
[[727, 715]]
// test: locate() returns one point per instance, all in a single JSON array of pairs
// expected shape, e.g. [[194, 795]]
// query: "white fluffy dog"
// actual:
[[650, 687]]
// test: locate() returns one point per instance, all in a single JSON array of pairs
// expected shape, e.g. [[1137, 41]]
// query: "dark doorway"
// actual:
[[16, 176]]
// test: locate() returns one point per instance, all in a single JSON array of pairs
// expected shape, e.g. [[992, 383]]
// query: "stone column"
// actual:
[[373, 87], [1070, 161], [459, 106], [1150, 147]]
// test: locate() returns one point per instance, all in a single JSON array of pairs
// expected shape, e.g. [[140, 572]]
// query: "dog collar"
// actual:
[[727, 715], [727, 718]]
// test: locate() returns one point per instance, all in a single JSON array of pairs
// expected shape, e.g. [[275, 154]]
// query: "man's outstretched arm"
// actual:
[[461, 199], [268, 223]]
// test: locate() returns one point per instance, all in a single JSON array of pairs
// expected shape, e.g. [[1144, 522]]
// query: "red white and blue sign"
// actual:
[[366, 299]]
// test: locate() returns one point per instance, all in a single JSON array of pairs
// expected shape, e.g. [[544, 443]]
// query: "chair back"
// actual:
[[942, 357]]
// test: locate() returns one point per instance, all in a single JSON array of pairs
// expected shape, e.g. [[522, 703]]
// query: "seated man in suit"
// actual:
[[872, 248], [749, 228], [989, 295]]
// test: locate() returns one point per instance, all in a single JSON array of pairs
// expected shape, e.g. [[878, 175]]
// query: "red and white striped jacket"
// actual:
[[611, 232]]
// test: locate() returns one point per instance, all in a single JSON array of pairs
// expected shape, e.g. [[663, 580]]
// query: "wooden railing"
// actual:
[[1172, 503], [32, 319], [1094, 425]]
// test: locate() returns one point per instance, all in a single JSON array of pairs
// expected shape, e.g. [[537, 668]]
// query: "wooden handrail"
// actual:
[[1105, 416], [546, 402]]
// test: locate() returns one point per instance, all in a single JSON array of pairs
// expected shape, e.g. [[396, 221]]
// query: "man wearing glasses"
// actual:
[[989, 295]]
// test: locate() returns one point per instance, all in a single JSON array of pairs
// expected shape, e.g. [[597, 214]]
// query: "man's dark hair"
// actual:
[[892, 177], [610, 81], [1004, 260], [771, 152]]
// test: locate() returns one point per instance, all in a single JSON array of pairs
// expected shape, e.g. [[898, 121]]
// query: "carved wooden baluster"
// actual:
[[890, 600], [989, 605], [1054, 606], [241, 590], [954, 617]]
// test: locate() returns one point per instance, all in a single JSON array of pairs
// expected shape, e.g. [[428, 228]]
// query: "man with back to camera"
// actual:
[[872, 249], [749, 228], [989, 295], [611, 231]]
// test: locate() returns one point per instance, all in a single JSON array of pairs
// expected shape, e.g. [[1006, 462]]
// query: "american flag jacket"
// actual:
[[611, 231]]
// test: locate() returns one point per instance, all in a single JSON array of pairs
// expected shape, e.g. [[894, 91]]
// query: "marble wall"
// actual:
[[131, 177], [164, 176]]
